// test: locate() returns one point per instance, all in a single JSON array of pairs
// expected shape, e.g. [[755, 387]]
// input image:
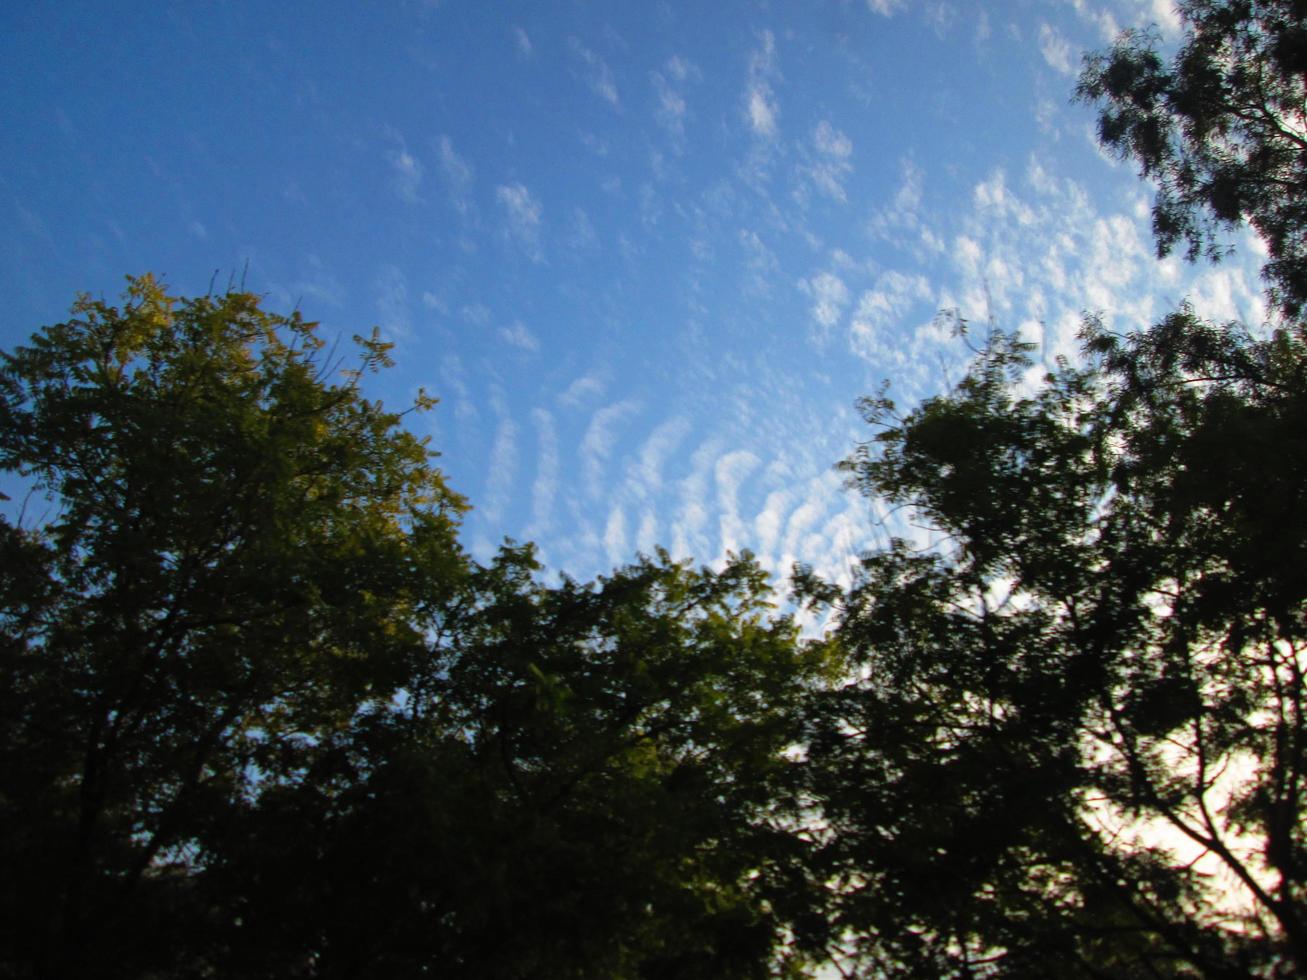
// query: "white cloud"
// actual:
[[762, 111], [801, 518], [523, 42], [681, 69], [1046, 115], [831, 141], [1225, 293], [581, 236], [1166, 16], [901, 221], [197, 229], [520, 337], [829, 295], [598, 76], [457, 172], [671, 108], [762, 264], [523, 215], [318, 284], [502, 470], [687, 530], [967, 255], [645, 479], [907, 199], [392, 301], [767, 525], [730, 472], [651, 209], [582, 389], [881, 309], [1092, 12], [688, 526], [477, 313], [992, 195], [831, 164], [1057, 51], [453, 376], [759, 105], [885, 8], [615, 536], [842, 535], [646, 537], [545, 488], [600, 437], [407, 174]]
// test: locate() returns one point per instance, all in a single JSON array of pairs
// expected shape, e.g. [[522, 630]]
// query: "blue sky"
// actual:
[[646, 254]]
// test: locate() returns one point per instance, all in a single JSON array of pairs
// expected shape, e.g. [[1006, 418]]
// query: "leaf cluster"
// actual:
[[1221, 128], [263, 717], [1088, 700]]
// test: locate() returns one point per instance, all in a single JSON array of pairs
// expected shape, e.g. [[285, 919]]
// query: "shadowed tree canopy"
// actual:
[[234, 563], [262, 717], [1076, 744], [1221, 128]]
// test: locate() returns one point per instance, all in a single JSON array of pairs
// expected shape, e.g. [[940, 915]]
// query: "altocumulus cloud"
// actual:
[[597, 76], [523, 214], [407, 173], [759, 105], [520, 337], [829, 297]]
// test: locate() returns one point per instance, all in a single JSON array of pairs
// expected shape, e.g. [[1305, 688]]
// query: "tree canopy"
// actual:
[[1078, 735], [263, 717], [1221, 128], [1075, 742]]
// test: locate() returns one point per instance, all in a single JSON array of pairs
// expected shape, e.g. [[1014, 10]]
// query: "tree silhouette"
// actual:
[[1076, 739]]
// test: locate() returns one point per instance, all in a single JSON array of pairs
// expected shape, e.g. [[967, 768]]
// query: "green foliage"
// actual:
[[581, 783], [263, 718], [1222, 128], [236, 567]]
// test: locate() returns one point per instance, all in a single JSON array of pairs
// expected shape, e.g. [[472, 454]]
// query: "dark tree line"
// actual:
[[261, 716]]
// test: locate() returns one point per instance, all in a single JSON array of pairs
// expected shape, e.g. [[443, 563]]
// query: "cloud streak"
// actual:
[[600, 438], [597, 74], [544, 489], [832, 153], [458, 175], [523, 218], [517, 335], [760, 107]]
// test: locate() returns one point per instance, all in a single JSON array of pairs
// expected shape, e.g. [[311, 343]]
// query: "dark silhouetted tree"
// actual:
[[1221, 128], [1076, 743]]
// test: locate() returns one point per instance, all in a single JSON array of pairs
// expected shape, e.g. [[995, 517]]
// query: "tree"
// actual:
[[1078, 741], [581, 784], [262, 717], [1222, 128], [234, 568]]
